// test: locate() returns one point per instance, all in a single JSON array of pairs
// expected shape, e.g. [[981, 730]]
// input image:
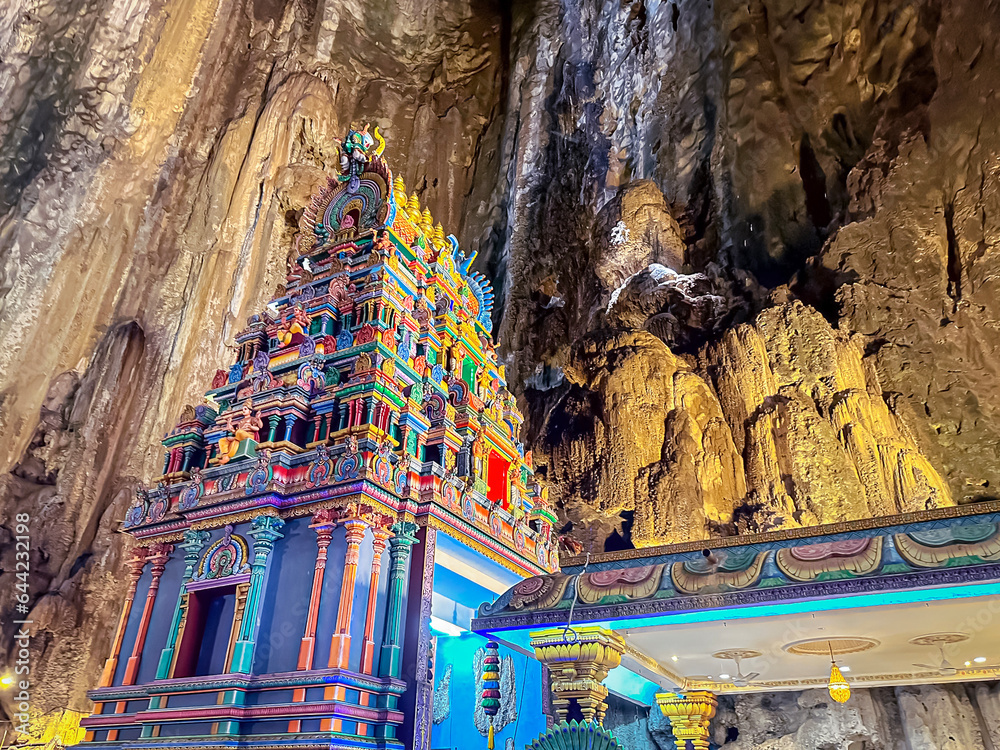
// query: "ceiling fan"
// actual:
[[940, 640], [739, 679], [945, 669]]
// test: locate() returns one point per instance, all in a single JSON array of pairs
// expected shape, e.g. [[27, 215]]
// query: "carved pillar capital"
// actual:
[[380, 540], [689, 716], [136, 564], [354, 534], [579, 660], [159, 555], [193, 543]]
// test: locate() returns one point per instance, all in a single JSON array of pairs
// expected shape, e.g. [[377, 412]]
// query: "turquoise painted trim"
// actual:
[[194, 541], [884, 526], [632, 687], [912, 596], [265, 530]]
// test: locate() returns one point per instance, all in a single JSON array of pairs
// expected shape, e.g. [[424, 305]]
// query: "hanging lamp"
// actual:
[[839, 688], [490, 700]]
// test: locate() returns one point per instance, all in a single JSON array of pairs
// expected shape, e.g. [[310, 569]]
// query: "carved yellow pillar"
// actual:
[[689, 715], [578, 660]]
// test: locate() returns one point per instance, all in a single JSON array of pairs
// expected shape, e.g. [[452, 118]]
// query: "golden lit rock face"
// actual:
[[781, 423]]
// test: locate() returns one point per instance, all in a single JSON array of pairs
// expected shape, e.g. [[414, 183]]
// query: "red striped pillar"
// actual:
[[381, 537], [324, 521], [158, 555], [340, 644], [136, 565]]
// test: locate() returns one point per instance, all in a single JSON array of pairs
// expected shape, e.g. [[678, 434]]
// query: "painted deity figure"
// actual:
[[246, 429], [355, 150], [478, 454], [298, 323]]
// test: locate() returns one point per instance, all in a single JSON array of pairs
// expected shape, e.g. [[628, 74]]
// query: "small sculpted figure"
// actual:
[[298, 323], [246, 429]]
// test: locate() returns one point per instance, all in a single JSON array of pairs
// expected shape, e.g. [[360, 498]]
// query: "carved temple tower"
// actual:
[[352, 479]]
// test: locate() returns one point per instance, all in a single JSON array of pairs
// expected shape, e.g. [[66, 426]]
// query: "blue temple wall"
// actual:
[[458, 731], [287, 593], [286, 598], [286, 601], [159, 625]]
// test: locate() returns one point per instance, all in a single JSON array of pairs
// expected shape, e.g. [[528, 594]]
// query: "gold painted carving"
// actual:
[[689, 716], [579, 660]]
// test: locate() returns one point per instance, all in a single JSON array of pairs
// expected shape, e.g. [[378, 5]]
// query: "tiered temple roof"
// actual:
[[370, 378]]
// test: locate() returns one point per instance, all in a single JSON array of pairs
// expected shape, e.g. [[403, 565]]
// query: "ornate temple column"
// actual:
[[272, 427], [417, 702], [689, 716], [380, 536], [340, 644], [290, 420], [136, 564], [399, 553], [324, 521], [578, 660], [265, 530], [192, 546], [158, 556]]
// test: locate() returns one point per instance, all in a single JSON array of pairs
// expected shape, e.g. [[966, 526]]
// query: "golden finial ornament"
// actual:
[[413, 209], [427, 223], [399, 192]]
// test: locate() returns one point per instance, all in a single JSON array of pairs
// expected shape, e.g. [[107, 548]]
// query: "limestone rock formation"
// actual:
[[839, 149], [907, 718], [780, 424], [920, 717]]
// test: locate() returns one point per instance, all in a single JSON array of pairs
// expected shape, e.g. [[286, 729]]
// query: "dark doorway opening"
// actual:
[[205, 643]]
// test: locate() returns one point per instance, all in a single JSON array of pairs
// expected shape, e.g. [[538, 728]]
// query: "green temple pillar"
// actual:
[[265, 530], [399, 554], [194, 541], [417, 702]]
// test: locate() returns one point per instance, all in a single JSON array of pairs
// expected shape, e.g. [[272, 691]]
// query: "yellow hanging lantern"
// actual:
[[838, 687]]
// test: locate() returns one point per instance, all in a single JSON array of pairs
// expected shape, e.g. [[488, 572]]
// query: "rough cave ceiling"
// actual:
[[745, 251]]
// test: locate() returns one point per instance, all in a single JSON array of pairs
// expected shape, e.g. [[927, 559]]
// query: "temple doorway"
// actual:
[[205, 644]]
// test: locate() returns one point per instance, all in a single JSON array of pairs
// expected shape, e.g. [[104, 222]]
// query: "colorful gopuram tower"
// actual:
[[352, 479]]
